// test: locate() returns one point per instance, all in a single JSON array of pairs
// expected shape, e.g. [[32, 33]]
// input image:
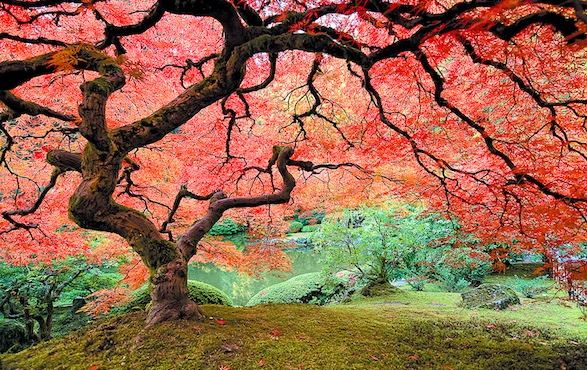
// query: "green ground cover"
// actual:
[[406, 330]]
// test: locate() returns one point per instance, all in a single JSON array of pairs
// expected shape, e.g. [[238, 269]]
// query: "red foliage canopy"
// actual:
[[478, 106]]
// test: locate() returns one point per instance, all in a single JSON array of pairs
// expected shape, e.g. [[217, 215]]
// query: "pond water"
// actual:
[[241, 287]]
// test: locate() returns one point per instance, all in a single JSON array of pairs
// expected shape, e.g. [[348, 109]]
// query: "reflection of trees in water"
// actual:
[[241, 287]]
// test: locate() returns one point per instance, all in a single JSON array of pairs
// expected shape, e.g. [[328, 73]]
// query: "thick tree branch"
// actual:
[[32, 109], [220, 202], [113, 33], [183, 193]]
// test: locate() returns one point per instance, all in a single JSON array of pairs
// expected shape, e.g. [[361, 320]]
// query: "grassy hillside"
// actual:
[[408, 330]]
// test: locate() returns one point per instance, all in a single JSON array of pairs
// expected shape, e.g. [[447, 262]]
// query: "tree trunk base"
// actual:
[[173, 310]]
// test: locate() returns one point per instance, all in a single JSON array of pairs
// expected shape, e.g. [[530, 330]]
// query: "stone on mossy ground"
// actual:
[[312, 288], [199, 292], [493, 296]]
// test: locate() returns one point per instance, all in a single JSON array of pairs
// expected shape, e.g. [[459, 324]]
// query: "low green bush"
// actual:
[[312, 288], [199, 292], [13, 336], [226, 227], [295, 226], [310, 228], [449, 281]]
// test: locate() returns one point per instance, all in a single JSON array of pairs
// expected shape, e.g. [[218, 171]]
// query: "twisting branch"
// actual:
[[42, 3], [9, 215], [32, 109], [5, 116], [183, 193], [267, 81], [556, 130], [248, 14], [126, 177], [113, 33], [36, 41], [317, 101], [189, 65], [220, 202]]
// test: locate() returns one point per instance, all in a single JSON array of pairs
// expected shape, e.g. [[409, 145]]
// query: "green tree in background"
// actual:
[[31, 293], [380, 243]]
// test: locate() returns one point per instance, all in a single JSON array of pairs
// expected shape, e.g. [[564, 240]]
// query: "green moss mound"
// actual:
[[312, 288], [13, 336], [199, 292]]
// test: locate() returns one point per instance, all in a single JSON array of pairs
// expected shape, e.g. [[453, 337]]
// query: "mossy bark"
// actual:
[[169, 289], [169, 294]]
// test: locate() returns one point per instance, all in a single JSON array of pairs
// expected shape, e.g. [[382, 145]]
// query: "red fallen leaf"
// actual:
[[221, 322], [414, 357], [448, 367], [261, 362], [274, 334], [94, 367], [531, 333], [373, 358]]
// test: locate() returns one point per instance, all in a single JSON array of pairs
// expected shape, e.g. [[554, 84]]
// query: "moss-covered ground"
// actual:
[[406, 330]]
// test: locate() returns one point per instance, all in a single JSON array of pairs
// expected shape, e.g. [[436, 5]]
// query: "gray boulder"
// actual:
[[493, 296]]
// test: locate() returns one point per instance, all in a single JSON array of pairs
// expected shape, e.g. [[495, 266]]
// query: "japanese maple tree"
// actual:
[[151, 120]]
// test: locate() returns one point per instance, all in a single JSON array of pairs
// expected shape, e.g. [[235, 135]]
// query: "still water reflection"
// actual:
[[241, 288]]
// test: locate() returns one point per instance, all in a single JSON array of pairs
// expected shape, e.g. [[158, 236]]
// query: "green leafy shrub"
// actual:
[[459, 268], [226, 227], [448, 281], [530, 288], [303, 243], [199, 292], [468, 264], [295, 226], [310, 228], [312, 288], [318, 215], [13, 336], [32, 293], [381, 244]]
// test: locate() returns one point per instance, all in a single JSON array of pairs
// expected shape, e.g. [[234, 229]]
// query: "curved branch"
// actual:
[[183, 193], [42, 3], [219, 203], [8, 215], [267, 81], [32, 109], [112, 32], [37, 40], [65, 161]]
